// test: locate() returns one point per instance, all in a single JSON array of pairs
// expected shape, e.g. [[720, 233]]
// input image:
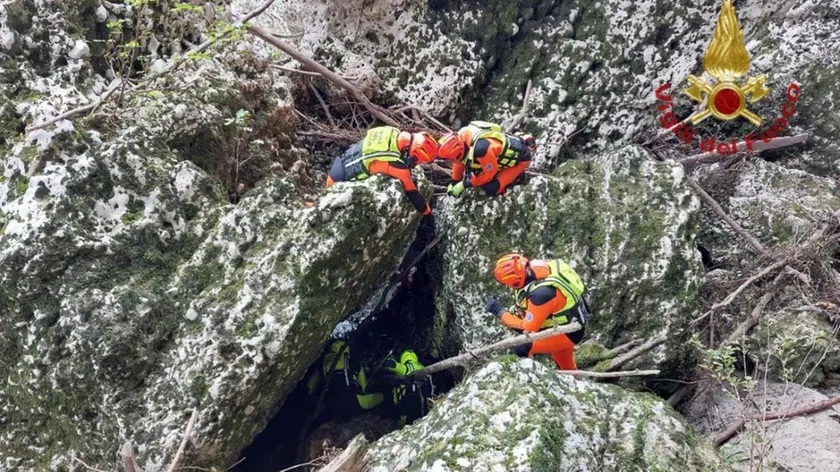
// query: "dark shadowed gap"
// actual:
[[406, 322]]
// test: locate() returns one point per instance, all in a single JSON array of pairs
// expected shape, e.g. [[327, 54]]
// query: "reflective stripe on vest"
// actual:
[[509, 157], [380, 144], [562, 277], [370, 401]]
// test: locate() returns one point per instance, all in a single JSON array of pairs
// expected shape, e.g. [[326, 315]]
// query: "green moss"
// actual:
[[130, 217], [19, 15], [588, 354], [19, 186]]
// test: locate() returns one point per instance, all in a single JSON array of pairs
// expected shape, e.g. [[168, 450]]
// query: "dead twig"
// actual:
[[375, 110], [236, 463], [128, 460], [351, 459], [748, 324], [732, 296], [292, 70], [636, 352], [303, 464], [516, 119], [757, 146], [322, 102], [715, 206], [346, 138], [462, 359], [609, 375], [183, 446], [118, 83], [94, 469], [83, 109], [614, 352], [425, 115], [738, 426]]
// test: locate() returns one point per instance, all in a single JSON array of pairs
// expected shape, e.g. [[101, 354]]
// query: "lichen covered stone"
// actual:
[[625, 222], [519, 415]]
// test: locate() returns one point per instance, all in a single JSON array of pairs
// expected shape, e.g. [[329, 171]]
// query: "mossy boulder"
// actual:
[[132, 292], [625, 222], [797, 345], [776, 204], [519, 415]]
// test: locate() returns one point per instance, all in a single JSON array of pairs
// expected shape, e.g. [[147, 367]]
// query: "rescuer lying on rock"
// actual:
[[492, 159], [387, 151], [548, 294]]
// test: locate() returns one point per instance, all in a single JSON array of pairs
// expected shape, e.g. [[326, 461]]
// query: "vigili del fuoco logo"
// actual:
[[728, 97]]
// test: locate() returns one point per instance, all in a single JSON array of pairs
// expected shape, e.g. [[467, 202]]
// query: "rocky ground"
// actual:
[[170, 249]]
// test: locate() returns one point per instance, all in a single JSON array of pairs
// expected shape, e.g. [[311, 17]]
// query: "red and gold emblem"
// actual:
[[727, 60]]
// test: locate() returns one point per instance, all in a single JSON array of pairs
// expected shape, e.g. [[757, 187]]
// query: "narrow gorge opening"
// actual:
[[311, 427]]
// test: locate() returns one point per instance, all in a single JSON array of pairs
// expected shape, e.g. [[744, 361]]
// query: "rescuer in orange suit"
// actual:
[[485, 157], [385, 150], [548, 293]]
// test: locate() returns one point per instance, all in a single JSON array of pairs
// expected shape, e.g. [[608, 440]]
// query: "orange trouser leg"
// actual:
[[330, 181], [509, 175], [561, 348]]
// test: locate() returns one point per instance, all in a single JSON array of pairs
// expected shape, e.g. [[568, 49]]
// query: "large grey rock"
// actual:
[[777, 205], [131, 290], [798, 344], [127, 307], [594, 65], [625, 222], [800, 444], [518, 415]]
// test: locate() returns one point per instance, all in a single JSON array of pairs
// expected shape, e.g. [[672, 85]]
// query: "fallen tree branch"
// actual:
[[403, 273], [322, 102], [440, 170], [94, 469], [330, 136], [734, 429], [609, 375], [636, 352], [616, 351], [117, 83], [183, 446], [748, 324], [732, 296], [426, 115], [375, 110], [516, 119], [462, 359], [715, 206], [128, 460], [757, 146], [83, 109]]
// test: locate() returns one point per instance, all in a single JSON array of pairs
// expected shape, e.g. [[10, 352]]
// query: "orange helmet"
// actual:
[[466, 134], [512, 270], [423, 148], [451, 147], [403, 140], [530, 142]]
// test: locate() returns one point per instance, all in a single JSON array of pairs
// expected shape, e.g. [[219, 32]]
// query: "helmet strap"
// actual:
[[530, 276]]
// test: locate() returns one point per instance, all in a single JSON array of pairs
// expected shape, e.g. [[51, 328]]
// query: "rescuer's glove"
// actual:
[[494, 306], [455, 189]]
